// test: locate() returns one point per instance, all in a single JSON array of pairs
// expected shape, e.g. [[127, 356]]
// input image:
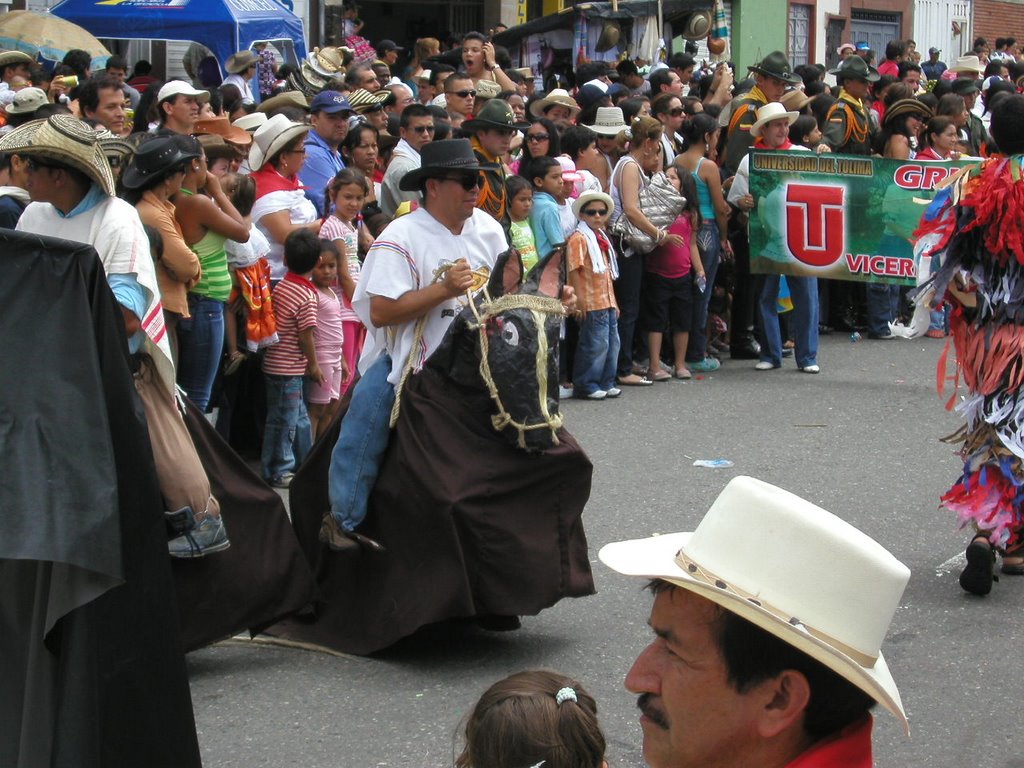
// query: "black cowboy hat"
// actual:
[[855, 68], [154, 160], [438, 158], [776, 65], [494, 114]]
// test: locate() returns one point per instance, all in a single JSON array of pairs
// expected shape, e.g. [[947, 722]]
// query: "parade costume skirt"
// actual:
[[472, 525]]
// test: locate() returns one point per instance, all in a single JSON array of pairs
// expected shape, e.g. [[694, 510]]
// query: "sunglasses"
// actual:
[[676, 112], [468, 183], [594, 211], [464, 94], [373, 108], [424, 129], [537, 137]]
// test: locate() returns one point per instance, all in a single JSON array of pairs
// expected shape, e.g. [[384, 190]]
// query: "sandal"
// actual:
[[682, 373], [978, 575], [634, 380], [1015, 568], [659, 375]]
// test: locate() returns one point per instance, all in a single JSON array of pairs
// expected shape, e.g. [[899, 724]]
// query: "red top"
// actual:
[[295, 305], [850, 748], [670, 260]]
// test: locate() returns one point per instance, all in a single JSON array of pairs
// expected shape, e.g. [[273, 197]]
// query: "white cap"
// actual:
[[181, 88]]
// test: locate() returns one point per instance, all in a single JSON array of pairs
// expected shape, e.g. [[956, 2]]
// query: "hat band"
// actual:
[[701, 574]]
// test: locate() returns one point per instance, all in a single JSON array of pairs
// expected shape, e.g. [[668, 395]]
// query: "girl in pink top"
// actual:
[[672, 280], [328, 339], [346, 193]]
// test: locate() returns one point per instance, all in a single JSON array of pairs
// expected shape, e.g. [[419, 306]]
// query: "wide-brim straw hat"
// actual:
[[66, 140], [118, 150], [697, 25], [361, 100], [771, 111], [249, 123], [589, 197], [328, 61], [795, 100], [904, 107], [609, 121], [239, 62], [286, 99], [791, 568], [271, 137], [611, 32], [487, 89], [440, 157], [559, 97], [969, 63], [15, 57], [155, 159], [221, 126]]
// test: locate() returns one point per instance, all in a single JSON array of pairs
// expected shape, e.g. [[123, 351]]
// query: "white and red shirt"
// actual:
[[295, 305]]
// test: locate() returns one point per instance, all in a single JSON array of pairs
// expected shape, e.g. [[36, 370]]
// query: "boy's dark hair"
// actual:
[[577, 138], [89, 92], [437, 70], [117, 62], [78, 60], [658, 79], [894, 49], [301, 251], [801, 127], [453, 78], [142, 68], [516, 184], [753, 655], [5, 161], [681, 61], [474, 36], [39, 77], [536, 168], [908, 66], [1008, 124], [413, 110]]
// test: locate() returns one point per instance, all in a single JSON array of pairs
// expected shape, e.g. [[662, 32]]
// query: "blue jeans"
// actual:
[[287, 435], [200, 346], [627, 294], [803, 324], [883, 303], [697, 347], [357, 456], [597, 353]]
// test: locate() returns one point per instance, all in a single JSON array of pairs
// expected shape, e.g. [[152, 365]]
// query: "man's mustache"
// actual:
[[653, 713]]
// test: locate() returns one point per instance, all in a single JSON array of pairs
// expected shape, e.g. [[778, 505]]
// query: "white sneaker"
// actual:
[[599, 394], [765, 365], [613, 392], [564, 393], [811, 369]]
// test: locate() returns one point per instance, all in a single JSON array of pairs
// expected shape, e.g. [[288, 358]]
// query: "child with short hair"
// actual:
[[673, 274], [533, 718], [328, 339], [590, 261], [287, 436], [519, 193], [545, 174]]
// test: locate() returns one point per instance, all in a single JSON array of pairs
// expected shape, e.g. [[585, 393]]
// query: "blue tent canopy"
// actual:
[[223, 26]]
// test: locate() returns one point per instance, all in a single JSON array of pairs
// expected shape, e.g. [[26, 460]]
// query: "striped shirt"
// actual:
[[334, 228], [295, 305]]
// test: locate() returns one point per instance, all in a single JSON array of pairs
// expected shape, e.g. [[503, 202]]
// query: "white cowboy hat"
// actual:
[[769, 112], [250, 122], [271, 137], [66, 140], [790, 568], [609, 121], [589, 197], [557, 96], [969, 63]]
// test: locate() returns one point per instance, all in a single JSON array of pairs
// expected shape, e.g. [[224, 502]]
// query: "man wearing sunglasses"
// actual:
[[416, 128], [329, 122], [419, 268], [459, 94], [491, 134]]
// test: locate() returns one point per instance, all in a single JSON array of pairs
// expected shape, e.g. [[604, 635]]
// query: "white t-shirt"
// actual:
[[300, 211], [402, 259]]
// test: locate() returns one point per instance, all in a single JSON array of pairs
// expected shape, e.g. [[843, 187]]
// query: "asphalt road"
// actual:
[[861, 439]]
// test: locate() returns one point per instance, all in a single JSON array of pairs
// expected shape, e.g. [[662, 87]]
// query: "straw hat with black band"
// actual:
[[904, 107], [772, 111], [361, 100], [12, 58], [790, 568], [239, 62], [555, 97], [272, 137], [608, 121], [286, 99], [64, 140]]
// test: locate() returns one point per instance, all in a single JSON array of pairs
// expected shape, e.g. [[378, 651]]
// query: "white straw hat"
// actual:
[[771, 111], [273, 136], [557, 96], [609, 121], [792, 569]]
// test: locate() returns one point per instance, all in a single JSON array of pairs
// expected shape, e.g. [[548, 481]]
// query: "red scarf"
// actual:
[[291, 277], [759, 144], [268, 180]]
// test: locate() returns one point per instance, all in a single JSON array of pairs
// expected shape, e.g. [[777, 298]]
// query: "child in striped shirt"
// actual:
[[287, 435]]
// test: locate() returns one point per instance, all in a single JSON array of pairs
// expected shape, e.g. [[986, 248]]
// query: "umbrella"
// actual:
[[49, 35]]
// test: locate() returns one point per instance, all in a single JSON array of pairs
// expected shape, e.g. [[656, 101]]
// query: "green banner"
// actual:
[[839, 216]]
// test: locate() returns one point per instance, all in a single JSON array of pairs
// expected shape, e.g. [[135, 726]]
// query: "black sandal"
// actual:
[[978, 575], [1013, 569]]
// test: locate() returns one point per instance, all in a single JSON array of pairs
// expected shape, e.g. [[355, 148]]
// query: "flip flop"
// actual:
[[659, 375], [634, 380], [683, 374]]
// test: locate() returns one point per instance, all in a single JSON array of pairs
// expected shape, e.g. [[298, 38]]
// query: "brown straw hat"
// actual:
[[66, 140], [905, 107]]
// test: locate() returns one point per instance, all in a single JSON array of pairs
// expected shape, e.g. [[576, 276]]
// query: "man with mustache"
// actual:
[[768, 621]]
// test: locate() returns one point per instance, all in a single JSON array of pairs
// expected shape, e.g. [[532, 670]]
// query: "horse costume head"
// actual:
[[506, 341]]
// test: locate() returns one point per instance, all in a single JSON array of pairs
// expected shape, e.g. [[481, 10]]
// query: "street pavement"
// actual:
[[862, 439]]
